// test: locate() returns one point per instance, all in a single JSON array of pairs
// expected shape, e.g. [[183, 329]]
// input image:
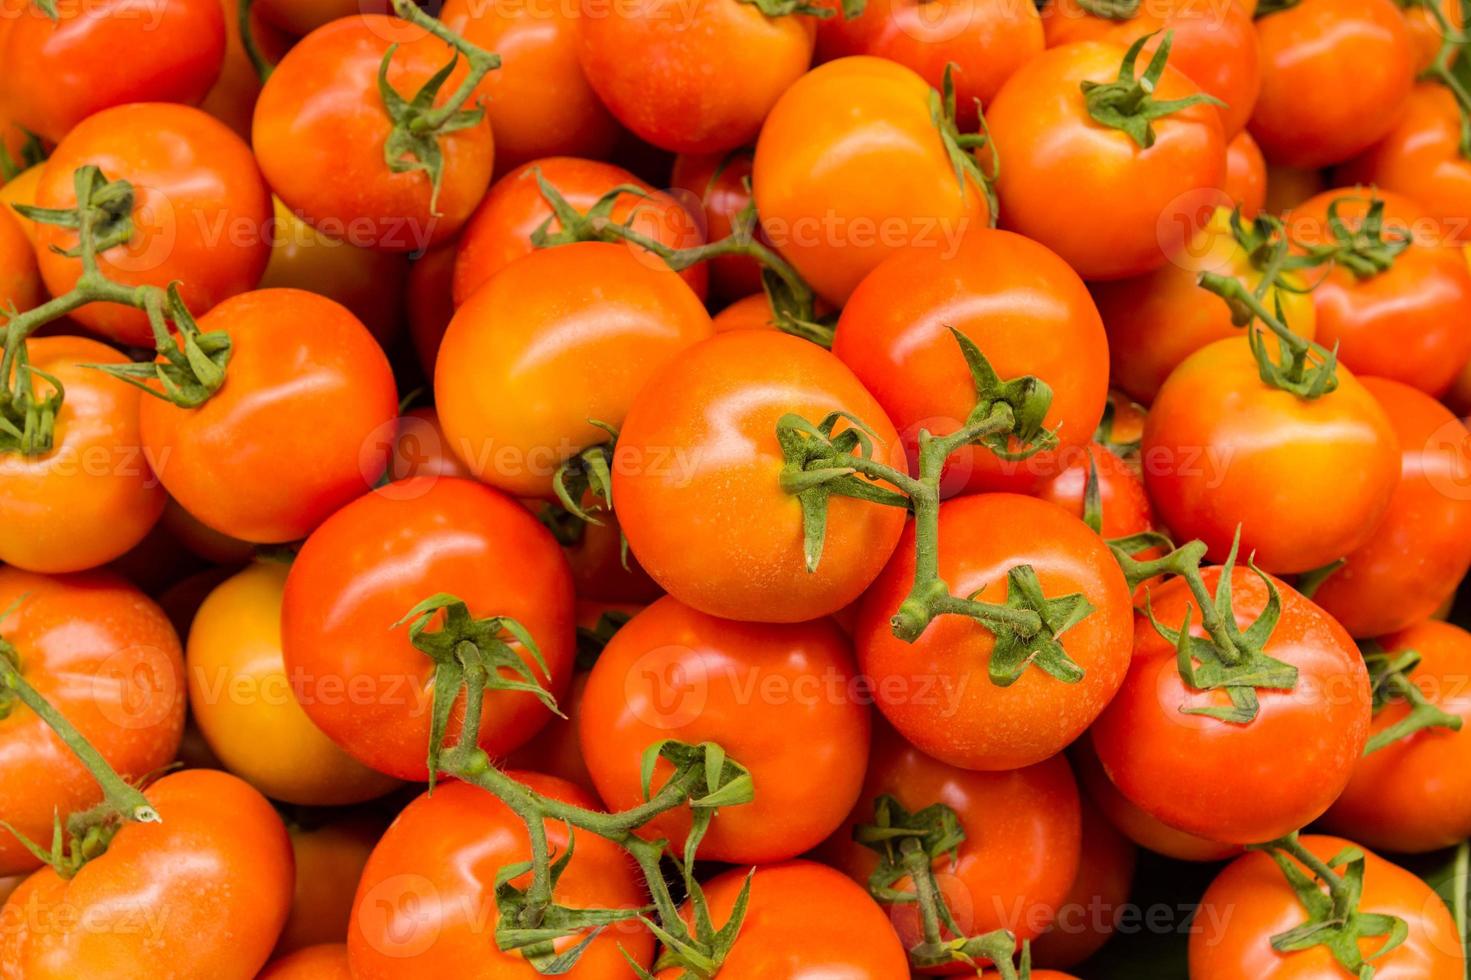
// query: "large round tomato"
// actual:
[[320, 127], [20, 276], [362, 681], [719, 185], [521, 376], [937, 691], [697, 480], [670, 92], [1057, 163], [781, 699], [1251, 901], [1021, 848], [94, 495], [426, 905], [200, 214], [58, 72], [325, 962], [1335, 76], [329, 863], [1233, 781], [825, 168], [106, 658], [285, 440], [1090, 914], [1022, 306], [1218, 436], [204, 890]]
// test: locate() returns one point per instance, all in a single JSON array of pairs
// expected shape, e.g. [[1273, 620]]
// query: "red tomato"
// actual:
[[667, 93], [285, 441], [936, 691], [1159, 757], [1335, 76], [1089, 915], [1027, 312], [1246, 174], [59, 72], [20, 277], [420, 448], [200, 212], [362, 681], [697, 481], [431, 302], [600, 568], [329, 863], [325, 962], [204, 890], [320, 127], [1124, 506], [1058, 163], [1218, 435], [426, 905], [719, 184]]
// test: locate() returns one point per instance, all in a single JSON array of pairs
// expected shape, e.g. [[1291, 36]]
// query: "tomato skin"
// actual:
[[1421, 548], [804, 921], [54, 74], [538, 101], [1217, 435], [526, 333], [719, 670], [1088, 916], [363, 683], [320, 127], [716, 183], [232, 99], [965, 719], [325, 962], [1246, 174], [243, 703], [426, 904], [500, 231], [667, 95], [1123, 503], [210, 885], [281, 445], [1022, 839], [200, 213], [1413, 795], [419, 448], [824, 166], [748, 313], [1335, 76], [22, 190], [20, 277], [700, 439], [329, 865], [1251, 901], [431, 302], [62, 511], [94, 626], [1155, 754], [1055, 158], [300, 17]]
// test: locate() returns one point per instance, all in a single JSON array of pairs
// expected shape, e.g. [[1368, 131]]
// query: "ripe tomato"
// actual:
[[1057, 162], [20, 277], [1088, 916], [1426, 33], [749, 313], [1335, 76], [431, 302], [1021, 848], [232, 100], [320, 127], [243, 703], [1217, 435], [1403, 323], [204, 890], [329, 864], [94, 495], [1421, 548], [22, 190], [500, 231], [1155, 753], [1027, 312], [1122, 501], [419, 448], [1214, 47], [1413, 795], [363, 682], [1251, 901], [538, 101], [325, 962], [1157, 320], [107, 659], [300, 17], [525, 334], [600, 569], [781, 699], [200, 212], [803, 920], [668, 93], [59, 72], [283, 443], [718, 184], [824, 174], [426, 904], [698, 450], [1246, 174], [936, 691]]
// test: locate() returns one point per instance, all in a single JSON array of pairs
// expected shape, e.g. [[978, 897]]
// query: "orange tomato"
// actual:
[[717, 186], [1246, 174], [329, 864], [20, 277], [325, 962]]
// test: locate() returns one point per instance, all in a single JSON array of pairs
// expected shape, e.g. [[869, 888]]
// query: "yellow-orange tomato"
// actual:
[[329, 863], [243, 703], [20, 277]]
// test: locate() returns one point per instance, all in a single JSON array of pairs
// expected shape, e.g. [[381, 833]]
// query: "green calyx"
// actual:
[[588, 472], [592, 640], [1365, 251], [47, 7], [27, 420], [1300, 366], [1448, 68], [193, 365], [1334, 918], [263, 68], [961, 147], [32, 152], [786, 8], [419, 125], [1111, 9], [1389, 677], [1265, 8], [1128, 103]]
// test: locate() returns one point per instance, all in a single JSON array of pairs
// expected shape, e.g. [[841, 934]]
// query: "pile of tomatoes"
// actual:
[[695, 489]]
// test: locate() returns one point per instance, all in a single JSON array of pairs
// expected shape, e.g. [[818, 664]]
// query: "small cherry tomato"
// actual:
[[325, 962], [1246, 174], [329, 864]]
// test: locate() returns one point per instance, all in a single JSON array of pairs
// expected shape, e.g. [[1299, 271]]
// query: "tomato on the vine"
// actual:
[[1123, 506]]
